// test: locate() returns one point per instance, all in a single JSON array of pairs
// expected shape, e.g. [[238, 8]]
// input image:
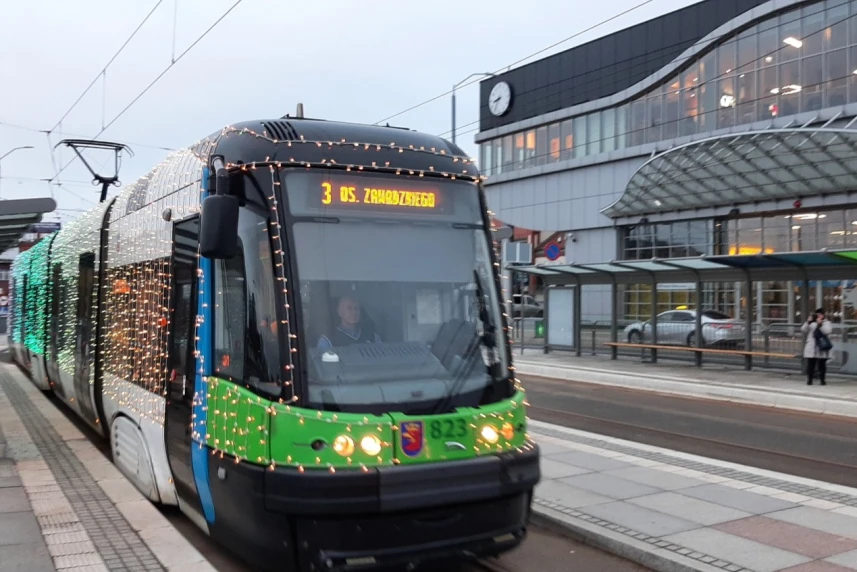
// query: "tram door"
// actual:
[[181, 360], [83, 351]]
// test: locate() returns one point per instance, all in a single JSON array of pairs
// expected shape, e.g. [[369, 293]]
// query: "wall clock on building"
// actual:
[[500, 99]]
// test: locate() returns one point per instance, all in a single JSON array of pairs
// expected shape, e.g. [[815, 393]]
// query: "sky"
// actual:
[[350, 61]]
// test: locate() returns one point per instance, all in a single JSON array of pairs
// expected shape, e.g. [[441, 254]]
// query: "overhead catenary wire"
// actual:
[[36, 130], [154, 81], [104, 69], [534, 54]]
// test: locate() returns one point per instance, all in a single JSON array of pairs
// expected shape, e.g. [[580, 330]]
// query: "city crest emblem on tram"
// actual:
[[413, 437]]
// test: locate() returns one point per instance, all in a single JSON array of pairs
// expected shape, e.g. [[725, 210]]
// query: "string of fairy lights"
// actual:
[[228, 417]]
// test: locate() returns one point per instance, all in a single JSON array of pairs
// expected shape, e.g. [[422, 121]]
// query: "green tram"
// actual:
[[293, 331]]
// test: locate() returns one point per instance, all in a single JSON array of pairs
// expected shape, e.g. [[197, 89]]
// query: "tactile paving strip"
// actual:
[[82, 528]]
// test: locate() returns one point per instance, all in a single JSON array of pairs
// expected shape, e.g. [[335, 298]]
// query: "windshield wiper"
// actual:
[[473, 347]]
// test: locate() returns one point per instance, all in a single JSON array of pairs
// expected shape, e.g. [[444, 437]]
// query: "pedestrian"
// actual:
[[817, 348]]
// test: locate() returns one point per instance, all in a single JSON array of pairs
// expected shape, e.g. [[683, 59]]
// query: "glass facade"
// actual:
[[775, 302], [797, 61]]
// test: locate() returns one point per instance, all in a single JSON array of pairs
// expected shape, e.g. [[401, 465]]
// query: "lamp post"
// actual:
[[9, 153], [454, 87]]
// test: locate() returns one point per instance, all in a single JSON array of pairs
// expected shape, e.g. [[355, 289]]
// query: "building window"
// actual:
[[836, 34], [622, 126], [518, 160], [747, 97], [567, 140], [813, 24], [530, 149], [554, 142], [594, 134], [541, 145], [789, 89], [679, 239], [656, 117], [580, 137], [671, 110], [638, 123], [498, 156], [689, 102], [835, 72], [798, 61], [485, 162], [508, 157], [811, 72], [608, 140]]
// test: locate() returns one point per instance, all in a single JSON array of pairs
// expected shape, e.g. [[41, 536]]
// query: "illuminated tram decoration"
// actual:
[[294, 337]]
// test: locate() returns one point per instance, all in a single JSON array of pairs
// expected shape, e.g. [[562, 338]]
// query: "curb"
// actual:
[[689, 388], [637, 551]]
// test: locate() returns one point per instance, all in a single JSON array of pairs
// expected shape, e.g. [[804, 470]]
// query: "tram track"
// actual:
[[719, 442], [797, 443]]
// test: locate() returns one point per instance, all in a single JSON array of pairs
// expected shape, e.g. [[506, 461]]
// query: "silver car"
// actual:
[[678, 327]]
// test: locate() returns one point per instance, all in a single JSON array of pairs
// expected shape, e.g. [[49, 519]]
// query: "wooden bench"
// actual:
[[746, 353]]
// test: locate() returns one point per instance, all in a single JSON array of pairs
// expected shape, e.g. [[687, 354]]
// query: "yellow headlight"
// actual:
[[371, 445], [489, 434], [344, 445]]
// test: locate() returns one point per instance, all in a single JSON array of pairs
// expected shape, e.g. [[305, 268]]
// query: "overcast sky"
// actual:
[[358, 61]]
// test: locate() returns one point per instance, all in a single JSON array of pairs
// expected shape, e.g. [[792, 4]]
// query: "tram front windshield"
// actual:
[[399, 309]]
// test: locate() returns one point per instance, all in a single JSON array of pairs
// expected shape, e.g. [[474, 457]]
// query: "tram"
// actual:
[[293, 331]]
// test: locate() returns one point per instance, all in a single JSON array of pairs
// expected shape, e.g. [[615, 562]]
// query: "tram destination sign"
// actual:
[[380, 195]]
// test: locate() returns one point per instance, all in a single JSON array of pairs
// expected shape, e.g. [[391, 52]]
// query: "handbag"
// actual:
[[822, 342]]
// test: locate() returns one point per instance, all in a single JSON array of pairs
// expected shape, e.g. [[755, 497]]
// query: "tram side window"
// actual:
[[245, 317]]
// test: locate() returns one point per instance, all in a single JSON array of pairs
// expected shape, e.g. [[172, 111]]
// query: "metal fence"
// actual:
[[776, 338]]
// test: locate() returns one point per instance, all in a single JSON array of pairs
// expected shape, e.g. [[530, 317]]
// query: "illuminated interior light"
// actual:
[[793, 42]]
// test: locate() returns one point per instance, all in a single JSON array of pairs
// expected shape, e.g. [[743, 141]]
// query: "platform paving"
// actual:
[[64, 506], [673, 511], [787, 390]]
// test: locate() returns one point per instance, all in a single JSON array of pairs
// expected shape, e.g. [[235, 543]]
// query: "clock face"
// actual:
[[500, 98]]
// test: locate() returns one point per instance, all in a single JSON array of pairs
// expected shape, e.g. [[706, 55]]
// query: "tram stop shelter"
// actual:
[[17, 216], [797, 267], [16, 220]]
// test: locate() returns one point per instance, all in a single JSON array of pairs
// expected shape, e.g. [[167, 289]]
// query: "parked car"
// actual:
[[678, 327], [525, 306]]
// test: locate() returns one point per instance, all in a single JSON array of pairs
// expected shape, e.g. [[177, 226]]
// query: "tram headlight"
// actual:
[[371, 445], [489, 434], [344, 445], [508, 431]]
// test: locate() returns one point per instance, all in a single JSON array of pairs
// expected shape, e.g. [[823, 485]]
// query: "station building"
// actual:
[[725, 130]]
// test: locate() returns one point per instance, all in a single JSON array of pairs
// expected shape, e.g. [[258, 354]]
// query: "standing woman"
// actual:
[[818, 345]]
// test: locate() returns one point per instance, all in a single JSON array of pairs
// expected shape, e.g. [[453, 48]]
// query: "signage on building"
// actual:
[[44, 227]]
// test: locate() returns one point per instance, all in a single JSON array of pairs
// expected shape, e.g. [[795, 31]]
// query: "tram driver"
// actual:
[[349, 331]]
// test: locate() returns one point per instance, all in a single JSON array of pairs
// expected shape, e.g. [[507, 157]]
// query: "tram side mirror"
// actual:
[[218, 233]]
